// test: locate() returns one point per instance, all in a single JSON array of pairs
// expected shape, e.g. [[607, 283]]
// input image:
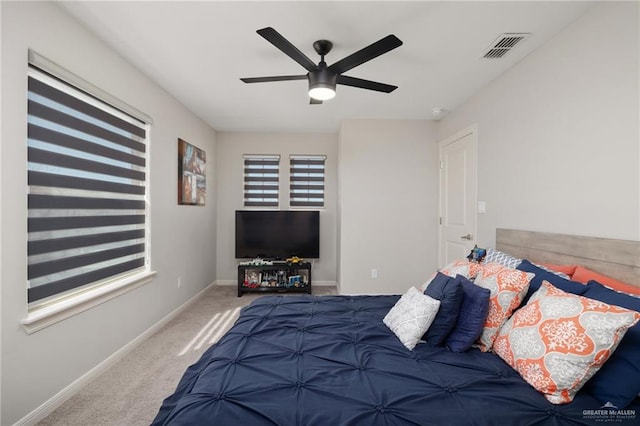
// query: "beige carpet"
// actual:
[[131, 392]]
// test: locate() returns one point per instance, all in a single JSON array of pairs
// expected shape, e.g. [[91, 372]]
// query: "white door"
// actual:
[[457, 234]]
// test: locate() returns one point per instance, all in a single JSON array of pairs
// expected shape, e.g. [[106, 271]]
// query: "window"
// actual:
[[306, 188], [261, 180], [87, 208]]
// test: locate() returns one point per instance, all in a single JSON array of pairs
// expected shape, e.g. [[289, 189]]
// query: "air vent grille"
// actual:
[[504, 44]]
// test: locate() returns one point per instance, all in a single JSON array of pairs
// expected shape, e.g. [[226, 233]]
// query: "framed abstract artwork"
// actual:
[[192, 182]]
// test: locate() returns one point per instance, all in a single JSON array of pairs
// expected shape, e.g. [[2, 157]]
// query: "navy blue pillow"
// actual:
[[618, 380], [449, 292], [573, 287], [471, 318]]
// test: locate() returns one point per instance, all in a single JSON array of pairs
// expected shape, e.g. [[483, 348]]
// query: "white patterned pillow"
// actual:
[[412, 316], [504, 259]]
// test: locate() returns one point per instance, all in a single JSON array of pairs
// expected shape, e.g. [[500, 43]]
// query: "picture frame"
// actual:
[[192, 182]]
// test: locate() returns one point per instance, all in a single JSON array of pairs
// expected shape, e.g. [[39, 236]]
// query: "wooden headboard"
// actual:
[[619, 259]]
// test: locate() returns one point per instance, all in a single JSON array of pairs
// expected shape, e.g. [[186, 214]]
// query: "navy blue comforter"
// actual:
[[329, 360]]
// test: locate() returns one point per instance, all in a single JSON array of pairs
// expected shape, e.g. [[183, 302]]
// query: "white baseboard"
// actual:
[[61, 397], [227, 282], [323, 283]]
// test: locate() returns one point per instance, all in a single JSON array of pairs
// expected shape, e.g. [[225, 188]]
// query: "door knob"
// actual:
[[466, 237]]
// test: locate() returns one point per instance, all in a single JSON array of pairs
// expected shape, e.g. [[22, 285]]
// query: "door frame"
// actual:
[[473, 131]]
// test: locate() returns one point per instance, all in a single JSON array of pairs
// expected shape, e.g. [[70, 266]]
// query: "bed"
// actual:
[[320, 360]]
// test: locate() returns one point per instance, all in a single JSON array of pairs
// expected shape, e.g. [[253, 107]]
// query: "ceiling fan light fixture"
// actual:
[[322, 85], [322, 92]]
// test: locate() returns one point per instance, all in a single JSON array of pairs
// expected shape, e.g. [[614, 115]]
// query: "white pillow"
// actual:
[[412, 316]]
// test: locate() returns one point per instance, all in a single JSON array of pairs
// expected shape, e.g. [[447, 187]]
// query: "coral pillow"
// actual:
[[565, 269], [508, 287], [449, 292], [559, 340], [471, 318], [411, 316], [584, 275]]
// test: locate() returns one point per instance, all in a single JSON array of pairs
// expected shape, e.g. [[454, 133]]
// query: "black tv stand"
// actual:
[[279, 277]]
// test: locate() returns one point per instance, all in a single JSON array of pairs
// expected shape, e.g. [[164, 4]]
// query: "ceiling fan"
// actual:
[[322, 78]]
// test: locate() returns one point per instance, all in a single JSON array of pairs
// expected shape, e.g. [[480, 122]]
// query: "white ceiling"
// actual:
[[197, 51]]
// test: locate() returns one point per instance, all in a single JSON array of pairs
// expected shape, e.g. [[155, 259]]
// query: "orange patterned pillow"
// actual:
[[508, 287], [560, 340]]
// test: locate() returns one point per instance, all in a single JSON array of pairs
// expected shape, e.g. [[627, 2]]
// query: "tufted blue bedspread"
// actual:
[[329, 360]]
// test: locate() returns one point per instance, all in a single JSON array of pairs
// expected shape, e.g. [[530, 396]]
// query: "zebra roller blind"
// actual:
[[261, 180], [306, 176], [87, 209]]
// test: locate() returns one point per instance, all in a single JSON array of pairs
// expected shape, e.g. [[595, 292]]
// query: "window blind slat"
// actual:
[[260, 204], [72, 182], [38, 224], [308, 204], [310, 162], [37, 201], [261, 179], [266, 162], [57, 244], [307, 178], [260, 195], [305, 188]]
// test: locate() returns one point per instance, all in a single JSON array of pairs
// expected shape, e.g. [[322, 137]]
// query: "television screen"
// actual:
[[275, 234]]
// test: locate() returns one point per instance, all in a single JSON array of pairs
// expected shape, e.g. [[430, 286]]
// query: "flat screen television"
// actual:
[[277, 234]]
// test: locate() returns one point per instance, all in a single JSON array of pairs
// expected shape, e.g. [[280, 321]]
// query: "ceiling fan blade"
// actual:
[[275, 38], [374, 50], [274, 78], [365, 84], [314, 102]]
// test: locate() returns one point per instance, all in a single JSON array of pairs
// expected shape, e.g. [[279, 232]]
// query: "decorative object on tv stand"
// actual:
[[192, 182], [279, 277], [257, 261]]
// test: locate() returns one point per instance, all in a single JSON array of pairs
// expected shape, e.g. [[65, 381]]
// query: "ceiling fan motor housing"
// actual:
[[322, 78]]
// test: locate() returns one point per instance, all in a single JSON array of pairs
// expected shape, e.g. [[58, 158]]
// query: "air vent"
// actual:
[[504, 43]]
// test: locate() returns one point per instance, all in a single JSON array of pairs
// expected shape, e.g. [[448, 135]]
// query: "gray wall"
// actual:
[[388, 181], [36, 367], [558, 134]]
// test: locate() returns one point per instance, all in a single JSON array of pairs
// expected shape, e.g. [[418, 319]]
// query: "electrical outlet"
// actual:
[[374, 273]]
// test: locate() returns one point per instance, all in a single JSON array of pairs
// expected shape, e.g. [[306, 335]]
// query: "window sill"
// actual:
[[41, 318]]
